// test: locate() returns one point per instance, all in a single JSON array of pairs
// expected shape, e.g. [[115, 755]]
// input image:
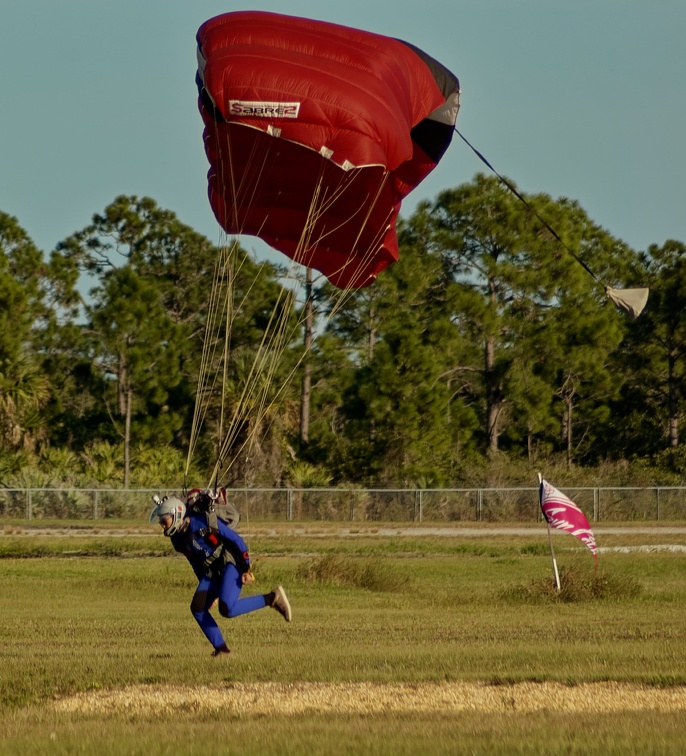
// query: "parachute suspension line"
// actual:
[[226, 438], [223, 279], [344, 294], [366, 257], [319, 207], [237, 189], [275, 340], [254, 390], [252, 175], [227, 344], [253, 393], [369, 204], [258, 394], [630, 300], [200, 401], [277, 336], [204, 392], [257, 172], [226, 269], [378, 238]]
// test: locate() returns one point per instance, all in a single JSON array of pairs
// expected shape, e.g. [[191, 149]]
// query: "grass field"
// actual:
[[399, 644]]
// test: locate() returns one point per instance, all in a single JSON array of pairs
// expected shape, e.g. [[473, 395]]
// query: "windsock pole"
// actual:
[[552, 554], [550, 543]]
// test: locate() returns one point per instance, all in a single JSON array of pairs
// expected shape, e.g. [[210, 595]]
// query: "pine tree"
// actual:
[[24, 315]]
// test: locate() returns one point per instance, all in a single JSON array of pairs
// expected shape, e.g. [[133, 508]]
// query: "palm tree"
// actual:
[[24, 391]]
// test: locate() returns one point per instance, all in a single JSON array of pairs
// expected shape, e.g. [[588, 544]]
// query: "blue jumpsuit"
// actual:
[[221, 582]]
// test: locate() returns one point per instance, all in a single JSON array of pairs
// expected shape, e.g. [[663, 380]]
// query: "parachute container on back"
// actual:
[[315, 133]]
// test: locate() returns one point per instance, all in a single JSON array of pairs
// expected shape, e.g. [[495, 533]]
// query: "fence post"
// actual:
[[421, 507], [289, 505], [29, 504], [480, 499], [352, 506], [657, 491], [95, 504]]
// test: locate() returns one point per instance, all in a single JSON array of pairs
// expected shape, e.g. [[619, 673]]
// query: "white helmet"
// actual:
[[169, 505]]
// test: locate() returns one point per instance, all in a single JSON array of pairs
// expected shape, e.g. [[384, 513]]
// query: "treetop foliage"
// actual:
[[485, 345]]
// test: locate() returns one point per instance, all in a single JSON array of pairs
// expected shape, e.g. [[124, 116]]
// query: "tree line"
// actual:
[[485, 347]]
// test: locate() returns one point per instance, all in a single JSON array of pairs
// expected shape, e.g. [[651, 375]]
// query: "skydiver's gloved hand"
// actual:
[[248, 577]]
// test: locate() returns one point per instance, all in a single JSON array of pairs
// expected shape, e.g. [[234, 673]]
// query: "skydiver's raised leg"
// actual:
[[230, 605]]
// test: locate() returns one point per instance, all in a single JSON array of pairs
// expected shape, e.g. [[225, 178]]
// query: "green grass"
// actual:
[[365, 609], [468, 733]]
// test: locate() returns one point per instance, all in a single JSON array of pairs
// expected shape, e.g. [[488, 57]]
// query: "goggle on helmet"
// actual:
[[169, 505]]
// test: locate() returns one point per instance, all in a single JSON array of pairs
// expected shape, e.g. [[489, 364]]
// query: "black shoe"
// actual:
[[221, 650]]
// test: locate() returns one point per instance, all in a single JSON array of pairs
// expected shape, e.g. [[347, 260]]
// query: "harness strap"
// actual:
[[212, 522], [220, 552], [214, 556]]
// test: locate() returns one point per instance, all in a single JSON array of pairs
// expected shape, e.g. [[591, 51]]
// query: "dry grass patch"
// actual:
[[287, 699]]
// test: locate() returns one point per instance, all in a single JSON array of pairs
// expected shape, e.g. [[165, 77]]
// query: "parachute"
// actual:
[[315, 133]]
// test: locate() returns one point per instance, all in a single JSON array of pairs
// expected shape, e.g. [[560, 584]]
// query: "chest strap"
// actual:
[[211, 532]]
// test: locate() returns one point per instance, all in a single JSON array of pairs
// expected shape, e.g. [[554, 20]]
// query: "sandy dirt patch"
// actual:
[[370, 698]]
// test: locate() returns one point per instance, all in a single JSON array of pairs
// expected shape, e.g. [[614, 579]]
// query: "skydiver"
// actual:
[[219, 557]]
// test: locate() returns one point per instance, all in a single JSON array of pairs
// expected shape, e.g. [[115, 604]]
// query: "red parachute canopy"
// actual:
[[315, 133]]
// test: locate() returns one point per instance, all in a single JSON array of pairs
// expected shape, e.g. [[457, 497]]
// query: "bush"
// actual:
[[351, 572], [575, 586]]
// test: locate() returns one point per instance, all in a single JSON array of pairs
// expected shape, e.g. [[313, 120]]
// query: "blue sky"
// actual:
[[576, 98]]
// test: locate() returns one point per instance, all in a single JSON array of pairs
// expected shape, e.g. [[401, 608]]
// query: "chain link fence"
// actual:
[[356, 505]]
